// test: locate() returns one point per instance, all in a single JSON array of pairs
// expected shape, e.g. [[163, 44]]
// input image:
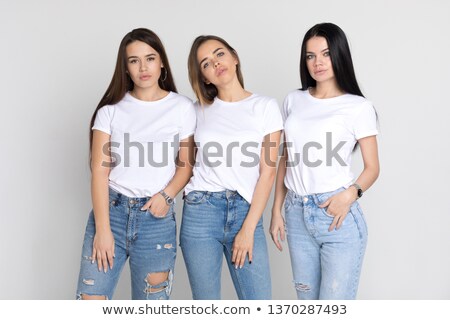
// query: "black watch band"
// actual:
[[359, 189]]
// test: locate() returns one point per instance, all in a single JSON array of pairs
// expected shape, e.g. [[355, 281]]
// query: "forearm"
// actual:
[[179, 181], [280, 188], [259, 200], [100, 199], [367, 177]]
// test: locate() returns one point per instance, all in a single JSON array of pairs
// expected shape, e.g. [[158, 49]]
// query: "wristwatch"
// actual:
[[358, 188], [169, 200]]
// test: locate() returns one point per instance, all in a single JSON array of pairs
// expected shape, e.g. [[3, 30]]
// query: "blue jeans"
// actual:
[[210, 223], [149, 242], [326, 265]]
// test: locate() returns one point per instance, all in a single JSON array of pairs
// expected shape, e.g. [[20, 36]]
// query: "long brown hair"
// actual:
[[121, 82], [207, 92]]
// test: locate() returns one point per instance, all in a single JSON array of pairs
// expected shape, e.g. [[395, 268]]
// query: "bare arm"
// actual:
[[277, 222], [339, 204], [243, 243], [185, 163], [103, 247]]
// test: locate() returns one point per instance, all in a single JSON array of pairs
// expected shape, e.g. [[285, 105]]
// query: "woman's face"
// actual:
[[318, 59], [143, 64], [217, 63]]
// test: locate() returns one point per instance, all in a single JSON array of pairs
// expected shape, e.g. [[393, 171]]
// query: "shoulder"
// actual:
[[180, 98]]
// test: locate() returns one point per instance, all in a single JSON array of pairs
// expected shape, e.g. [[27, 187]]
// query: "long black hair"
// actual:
[[121, 81], [340, 55]]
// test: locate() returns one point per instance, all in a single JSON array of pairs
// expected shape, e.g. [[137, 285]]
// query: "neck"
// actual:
[[325, 90], [232, 92], [148, 94]]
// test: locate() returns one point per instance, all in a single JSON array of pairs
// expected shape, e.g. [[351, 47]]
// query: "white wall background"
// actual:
[[57, 58]]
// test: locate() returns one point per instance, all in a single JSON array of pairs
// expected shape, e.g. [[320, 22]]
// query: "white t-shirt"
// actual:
[[321, 135], [145, 139], [229, 137]]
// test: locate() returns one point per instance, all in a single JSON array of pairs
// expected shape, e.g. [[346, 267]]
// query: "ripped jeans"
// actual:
[[326, 265], [211, 221], [149, 242]]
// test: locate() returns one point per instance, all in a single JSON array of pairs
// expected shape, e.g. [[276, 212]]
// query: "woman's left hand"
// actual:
[[157, 206], [242, 245], [338, 206]]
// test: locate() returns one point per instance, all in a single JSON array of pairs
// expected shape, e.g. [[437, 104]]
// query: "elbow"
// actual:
[[268, 175]]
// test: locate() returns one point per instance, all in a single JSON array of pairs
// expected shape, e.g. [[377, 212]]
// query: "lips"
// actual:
[[319, 72], [144, 77], [220, 71]]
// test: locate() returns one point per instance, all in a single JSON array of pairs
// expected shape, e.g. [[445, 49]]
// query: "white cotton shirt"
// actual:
[[144, 141], [229, 137], [321, 135]]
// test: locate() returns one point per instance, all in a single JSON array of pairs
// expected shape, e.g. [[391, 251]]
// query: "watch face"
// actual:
[[169, 201], [360, 193]]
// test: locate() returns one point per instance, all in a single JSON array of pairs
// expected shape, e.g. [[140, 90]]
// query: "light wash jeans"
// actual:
[[326, 265], [210, 223], [149, 242]]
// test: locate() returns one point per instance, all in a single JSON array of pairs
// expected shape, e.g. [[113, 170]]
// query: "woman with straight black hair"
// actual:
[[135, 176], [324, 120]]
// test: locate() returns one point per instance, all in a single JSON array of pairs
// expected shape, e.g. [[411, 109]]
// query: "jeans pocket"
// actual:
[[195, 197], [358, 215], [324, 211], [170, 214], [288, 202]]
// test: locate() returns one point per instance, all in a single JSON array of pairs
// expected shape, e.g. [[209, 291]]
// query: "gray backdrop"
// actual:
[[57, 58]]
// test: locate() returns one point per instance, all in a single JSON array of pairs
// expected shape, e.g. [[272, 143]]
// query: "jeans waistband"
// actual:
[[121, 198], [225, 194], [318, 198]]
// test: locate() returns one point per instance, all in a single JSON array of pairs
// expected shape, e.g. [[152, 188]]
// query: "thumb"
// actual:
[[147, 205], [325, 204]]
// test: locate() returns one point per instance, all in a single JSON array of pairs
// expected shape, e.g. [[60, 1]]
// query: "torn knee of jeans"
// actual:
[[158, 282], [302, 287]]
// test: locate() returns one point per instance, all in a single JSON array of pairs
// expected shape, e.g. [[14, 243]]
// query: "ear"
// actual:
[[206, 81]]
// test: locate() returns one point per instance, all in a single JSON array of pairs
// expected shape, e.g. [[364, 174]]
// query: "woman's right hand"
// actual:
[[103, 250], [277, 231]]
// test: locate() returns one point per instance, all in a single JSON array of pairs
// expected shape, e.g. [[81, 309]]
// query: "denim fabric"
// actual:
[[326, 265], [210, 223], [149, 242]]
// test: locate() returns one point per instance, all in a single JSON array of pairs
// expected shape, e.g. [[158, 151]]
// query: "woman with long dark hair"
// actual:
[[137, 170], [237, 137], [324, 121]]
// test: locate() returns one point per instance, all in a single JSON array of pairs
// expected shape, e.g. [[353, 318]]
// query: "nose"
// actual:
[[317, 61], [216, 63], [142, 66]]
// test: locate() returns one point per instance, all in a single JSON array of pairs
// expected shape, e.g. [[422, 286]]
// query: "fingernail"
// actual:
[[240, 267]]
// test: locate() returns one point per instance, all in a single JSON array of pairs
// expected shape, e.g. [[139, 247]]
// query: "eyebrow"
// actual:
[[213, 53], [308, 52], [135, 57]]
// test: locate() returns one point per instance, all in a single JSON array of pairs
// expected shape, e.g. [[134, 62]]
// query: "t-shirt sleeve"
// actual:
[[103, 120], [365, 124], [188, 121], [273, 120], [286, 109]]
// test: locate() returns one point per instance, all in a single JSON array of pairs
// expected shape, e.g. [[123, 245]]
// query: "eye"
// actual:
[[309, 56], [326, 54], [150, 58], [133, 61], [221, 53], [205, 65]]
